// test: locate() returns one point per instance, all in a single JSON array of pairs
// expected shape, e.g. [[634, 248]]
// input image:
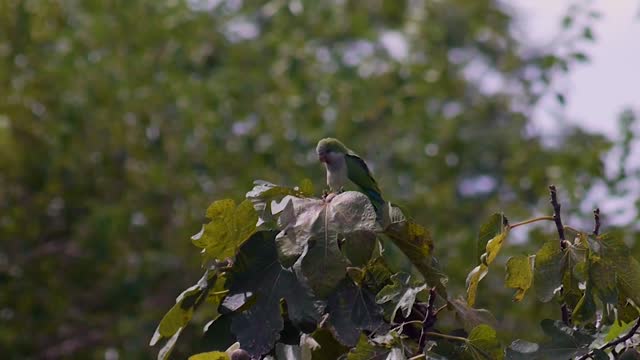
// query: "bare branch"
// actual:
[[596, 217], [563, 243]]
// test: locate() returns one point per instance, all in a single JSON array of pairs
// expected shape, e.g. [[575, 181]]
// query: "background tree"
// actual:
[[120, 121]]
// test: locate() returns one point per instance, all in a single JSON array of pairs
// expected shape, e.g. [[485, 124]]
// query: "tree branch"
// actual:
[[429, 319], [563, 244], [613, 343], [556, 215], [596, 218]]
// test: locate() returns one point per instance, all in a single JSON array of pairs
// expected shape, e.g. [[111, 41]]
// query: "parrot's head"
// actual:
[[329, 148]]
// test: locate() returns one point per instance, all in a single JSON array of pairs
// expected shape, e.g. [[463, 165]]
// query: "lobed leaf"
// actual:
[[492, 248], [399, 295], [257, 274], [230, 225], [548, 273], [519, 275]]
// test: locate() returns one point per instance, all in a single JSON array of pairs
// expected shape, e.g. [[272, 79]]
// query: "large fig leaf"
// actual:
[[399, 295], [352, 309], [315, 228], [265, 193], [230, 225], [257, 274]]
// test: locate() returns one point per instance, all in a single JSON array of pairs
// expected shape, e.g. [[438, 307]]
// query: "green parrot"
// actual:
[[342, 164]]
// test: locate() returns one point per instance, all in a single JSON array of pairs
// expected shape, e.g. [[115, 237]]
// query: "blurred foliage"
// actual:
[[121, 120]]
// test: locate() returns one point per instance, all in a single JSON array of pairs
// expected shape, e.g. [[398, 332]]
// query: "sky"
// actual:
[[599, 90]]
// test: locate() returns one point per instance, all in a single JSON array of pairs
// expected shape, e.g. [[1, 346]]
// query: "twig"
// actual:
[[596, 218], [563, 244], [541, 218], [556, 215], [429, 319], [448, 337], [613, 343]]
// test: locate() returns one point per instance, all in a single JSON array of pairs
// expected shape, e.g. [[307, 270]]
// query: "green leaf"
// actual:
[[603, 277], [365, 350], [229, 227], [165, 351], [600, 355], [625, 310], [492, 227], [315, 227], [353, 309], [175, 320], [574, 258], [565, 342], [519, 275], [400, 294], [492, 248], [258, 274], [471, 317], [615, 254], [585, 310], [415, 242], [522, 350], [548, 273], [212, 355], [306, 188], [617, 329], [580, 57], [484, 343], [330, 348]]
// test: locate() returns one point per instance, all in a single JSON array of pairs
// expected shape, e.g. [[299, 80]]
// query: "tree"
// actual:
[[329, 278]]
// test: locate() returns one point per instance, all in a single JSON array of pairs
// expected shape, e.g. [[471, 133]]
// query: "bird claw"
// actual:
[[325, 193]]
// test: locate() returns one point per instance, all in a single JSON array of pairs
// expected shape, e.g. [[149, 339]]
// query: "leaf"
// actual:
[[561, 99], [585, 310], [565, 342], [616, 254], [587, 33], [212, 355], [602, 276], [580, 57], [492, 227], [522, 350], [400, 294], [330, 348], [175, 320], [630, 354], [365, 350], [306, 188], [548, 273], [484, 344], [626, 311], [519, 275], [472, 317], [574, 258], [258, 274], [265, 193], [492, 248], [165, 351], [228, 228], [617, 329], [314, 227], [352, 309]]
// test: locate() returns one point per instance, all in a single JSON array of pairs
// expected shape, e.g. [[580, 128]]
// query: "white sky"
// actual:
[[599, 90]]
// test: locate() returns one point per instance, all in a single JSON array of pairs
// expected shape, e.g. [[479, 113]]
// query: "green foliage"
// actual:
[[289, 289]]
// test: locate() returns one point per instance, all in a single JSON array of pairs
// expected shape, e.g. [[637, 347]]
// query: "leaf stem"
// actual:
[[541, 218], [445, 336]]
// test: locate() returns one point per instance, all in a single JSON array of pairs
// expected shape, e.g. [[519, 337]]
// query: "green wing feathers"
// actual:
[[359, 174]]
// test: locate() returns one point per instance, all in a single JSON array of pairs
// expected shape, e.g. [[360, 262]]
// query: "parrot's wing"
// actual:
[[359, 173]]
